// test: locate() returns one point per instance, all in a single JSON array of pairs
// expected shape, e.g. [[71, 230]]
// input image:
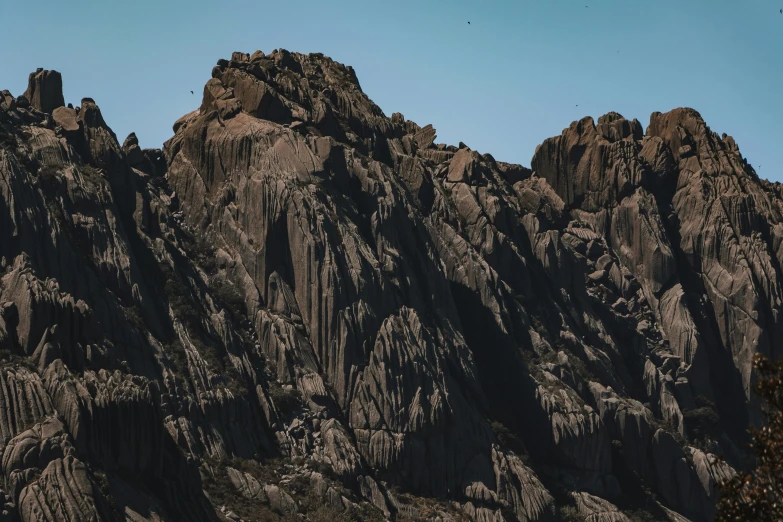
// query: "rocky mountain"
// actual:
[[302, 309]]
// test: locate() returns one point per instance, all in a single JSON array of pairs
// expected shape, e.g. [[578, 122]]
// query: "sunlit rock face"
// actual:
[[300, 305]]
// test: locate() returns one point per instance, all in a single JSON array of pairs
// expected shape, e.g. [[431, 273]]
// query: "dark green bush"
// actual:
[[176, 352], [181, 300], [134, 316], [235, 380], [48, 173], [323, 468], [287, 402], [702, 421], [299, 485], [203, 254], [508, 439], [640, 515], [569, 514], [229, 297]]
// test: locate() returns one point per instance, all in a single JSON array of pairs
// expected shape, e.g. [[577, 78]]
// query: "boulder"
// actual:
[[45, 90]]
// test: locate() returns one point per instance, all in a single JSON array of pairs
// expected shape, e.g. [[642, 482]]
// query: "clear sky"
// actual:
[[502, 84]]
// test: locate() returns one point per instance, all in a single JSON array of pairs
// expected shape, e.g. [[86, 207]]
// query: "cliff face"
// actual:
[[303, 308]]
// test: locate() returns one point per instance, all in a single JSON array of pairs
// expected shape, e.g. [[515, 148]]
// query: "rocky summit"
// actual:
[[302, 309]]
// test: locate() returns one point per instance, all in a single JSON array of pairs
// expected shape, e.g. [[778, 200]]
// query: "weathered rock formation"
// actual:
[[300, 307]]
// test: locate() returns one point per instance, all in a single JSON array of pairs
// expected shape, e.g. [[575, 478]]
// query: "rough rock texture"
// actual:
[[300, 306], [45, 90], [595, 509]]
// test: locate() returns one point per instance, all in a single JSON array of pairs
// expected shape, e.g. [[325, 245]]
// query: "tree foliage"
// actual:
[[758, 496]]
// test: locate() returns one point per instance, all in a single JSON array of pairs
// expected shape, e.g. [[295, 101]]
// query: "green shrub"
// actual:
[[509, 440], [229, 297], [701, 422], [104, 487], [176, 352], [580, 369], [134, 316], [316, 509], [569, 514], [222, 491], [323, 468], [202, 253], [641, 515], [48, 173], [91, 173], [181, 300], [703, 402], [208, 353], [235, 380], [299, 485], [287, 402], [759, 494]]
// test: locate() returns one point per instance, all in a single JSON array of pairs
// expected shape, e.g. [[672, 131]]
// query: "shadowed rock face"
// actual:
[[302, 306], [694, 224], [45, 90]]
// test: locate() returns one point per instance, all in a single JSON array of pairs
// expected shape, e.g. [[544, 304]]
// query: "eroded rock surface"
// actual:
[[300, 305]]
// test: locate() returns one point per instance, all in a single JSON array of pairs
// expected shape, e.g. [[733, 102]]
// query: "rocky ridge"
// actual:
[[302, 308]]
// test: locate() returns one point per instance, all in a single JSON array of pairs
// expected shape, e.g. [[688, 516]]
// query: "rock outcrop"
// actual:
[[301, 306]]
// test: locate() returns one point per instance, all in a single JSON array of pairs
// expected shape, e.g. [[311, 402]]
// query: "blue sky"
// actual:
[[502, 84]]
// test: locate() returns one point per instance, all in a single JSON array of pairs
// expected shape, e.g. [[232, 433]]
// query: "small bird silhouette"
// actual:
[[468, 23], [577, 105], [191, 92], [781, 11]]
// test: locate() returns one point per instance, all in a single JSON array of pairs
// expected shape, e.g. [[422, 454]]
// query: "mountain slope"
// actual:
[[302, 306]]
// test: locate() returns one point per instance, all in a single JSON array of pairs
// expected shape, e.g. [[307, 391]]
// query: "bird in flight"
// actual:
[[468, 23], [191, 92], [577, 105]]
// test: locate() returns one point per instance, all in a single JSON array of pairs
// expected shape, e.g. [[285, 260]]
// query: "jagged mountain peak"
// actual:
[[301, 306]]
